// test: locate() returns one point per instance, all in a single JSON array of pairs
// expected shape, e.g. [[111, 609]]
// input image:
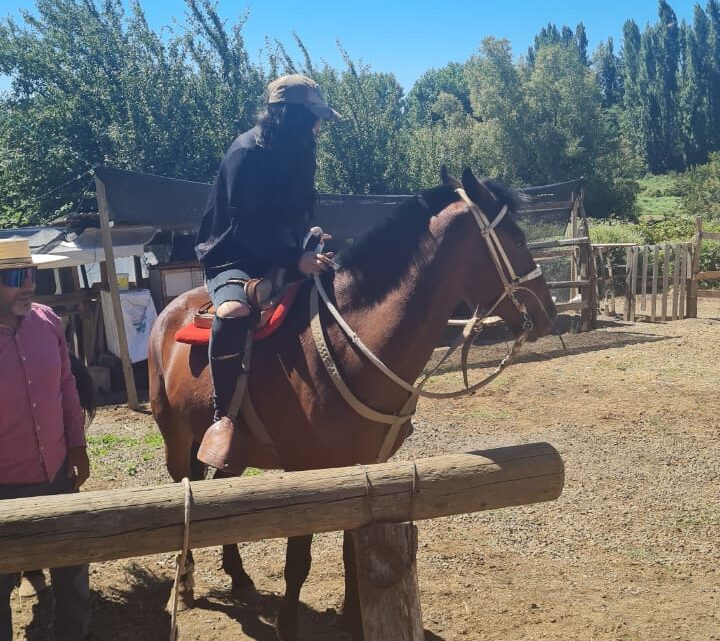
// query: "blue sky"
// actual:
[[408, 37]]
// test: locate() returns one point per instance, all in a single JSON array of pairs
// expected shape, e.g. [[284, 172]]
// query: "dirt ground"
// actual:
[[629, 551]]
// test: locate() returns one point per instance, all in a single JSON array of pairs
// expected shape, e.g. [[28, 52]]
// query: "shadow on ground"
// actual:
[[495, 341], [137, 612]]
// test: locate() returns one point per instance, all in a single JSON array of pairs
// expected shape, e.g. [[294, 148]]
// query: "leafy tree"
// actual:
[[694, 90], [361, 154], [713, 49], [428, 89], [581, 42], [92, 84], [608, 68], [702, 192]]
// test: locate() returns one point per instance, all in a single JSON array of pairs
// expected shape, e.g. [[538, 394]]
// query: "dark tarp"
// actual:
[[177, 205], [145, 199]]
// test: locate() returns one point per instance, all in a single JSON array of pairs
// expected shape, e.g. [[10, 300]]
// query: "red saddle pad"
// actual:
[[193, 335]]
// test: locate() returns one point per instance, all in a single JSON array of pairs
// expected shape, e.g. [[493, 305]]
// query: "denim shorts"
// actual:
[[228, 285]]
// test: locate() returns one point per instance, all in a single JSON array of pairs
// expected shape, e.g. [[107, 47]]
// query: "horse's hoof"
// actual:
[[246, 594]]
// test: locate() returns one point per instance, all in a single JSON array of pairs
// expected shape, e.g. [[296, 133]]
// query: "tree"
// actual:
[[608, 68], [361, 153], [421, 99], [694, 90], [92, 85]]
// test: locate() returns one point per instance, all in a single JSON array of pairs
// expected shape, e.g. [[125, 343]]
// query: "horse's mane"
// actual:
[[401, 230], [379, 260]]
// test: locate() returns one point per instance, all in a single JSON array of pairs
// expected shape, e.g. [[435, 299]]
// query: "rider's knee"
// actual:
[[233, 309]]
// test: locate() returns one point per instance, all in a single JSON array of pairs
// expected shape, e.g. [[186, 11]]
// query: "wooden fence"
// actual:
[[96, 526], [656, 281], [694, 291], [582, 285]]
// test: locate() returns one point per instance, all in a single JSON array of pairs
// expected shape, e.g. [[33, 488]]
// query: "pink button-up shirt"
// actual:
[[40, 412]]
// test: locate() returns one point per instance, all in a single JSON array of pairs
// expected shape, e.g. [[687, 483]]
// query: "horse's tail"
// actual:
[[85, 387]]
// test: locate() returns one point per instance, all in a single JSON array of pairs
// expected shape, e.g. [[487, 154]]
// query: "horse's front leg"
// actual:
[[297, 568], [243, 586], [351, 614]]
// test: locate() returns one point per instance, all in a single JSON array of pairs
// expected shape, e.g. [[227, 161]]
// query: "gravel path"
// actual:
[[629, 551]]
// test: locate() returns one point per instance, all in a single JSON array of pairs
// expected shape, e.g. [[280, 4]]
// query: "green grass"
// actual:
[[660, 197]]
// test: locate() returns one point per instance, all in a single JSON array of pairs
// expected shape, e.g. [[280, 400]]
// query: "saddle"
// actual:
[[274, 306]]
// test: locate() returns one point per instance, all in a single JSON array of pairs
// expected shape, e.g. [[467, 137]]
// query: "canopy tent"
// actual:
[[177, 205], [84, 248]]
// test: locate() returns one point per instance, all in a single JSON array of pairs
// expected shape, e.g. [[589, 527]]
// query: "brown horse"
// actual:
[[397, 287]]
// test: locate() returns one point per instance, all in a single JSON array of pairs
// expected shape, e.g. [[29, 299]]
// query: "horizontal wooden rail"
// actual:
[[708, 293], [573, 306], [605, 246], [706, 275], [710, 235], [551, 255], [567, 284], [53, 531], [561, 242]]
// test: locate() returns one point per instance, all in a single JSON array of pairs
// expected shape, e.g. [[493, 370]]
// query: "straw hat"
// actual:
[[15, 252]]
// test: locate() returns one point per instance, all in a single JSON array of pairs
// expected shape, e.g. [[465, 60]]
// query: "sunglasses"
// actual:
[[16, 276]]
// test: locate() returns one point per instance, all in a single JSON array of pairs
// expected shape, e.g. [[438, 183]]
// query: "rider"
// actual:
[[255, 219]]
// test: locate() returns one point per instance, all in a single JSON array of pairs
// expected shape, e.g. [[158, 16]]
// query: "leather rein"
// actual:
[[511, 282]]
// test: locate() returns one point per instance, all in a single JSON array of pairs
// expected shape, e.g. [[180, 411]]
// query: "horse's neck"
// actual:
[[409, 322]]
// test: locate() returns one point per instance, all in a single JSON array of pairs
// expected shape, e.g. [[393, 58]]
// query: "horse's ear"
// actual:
[[447, 179], [479, 193]]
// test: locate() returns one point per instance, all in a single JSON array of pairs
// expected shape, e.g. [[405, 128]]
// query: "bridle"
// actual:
[[511, 283]]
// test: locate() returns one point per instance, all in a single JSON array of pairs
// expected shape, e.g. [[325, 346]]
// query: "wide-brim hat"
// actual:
[[15, 252], [297, 89]]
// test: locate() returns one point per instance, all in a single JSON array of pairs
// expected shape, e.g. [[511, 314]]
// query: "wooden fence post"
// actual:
[[653, 303], [692, 294], [676, 281], [666, 281], [385, 554], [628, 283]]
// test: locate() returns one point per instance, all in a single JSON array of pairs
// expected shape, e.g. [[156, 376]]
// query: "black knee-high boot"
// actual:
[[220, 446], [226, 352]]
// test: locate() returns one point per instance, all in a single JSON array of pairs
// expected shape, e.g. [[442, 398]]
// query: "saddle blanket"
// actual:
[[270, 320]]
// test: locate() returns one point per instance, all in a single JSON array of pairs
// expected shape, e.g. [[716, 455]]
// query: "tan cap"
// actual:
[[15, 252], [297, 89]]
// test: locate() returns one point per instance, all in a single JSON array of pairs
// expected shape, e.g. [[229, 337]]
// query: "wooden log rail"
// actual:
[[98, 526]]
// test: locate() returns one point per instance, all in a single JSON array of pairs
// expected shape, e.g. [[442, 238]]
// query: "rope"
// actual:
[[368, 492], [180, 565]]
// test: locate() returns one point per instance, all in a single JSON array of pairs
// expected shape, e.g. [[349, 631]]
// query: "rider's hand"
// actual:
[[312, 264]]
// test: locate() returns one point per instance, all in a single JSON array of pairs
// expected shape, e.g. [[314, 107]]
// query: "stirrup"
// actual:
[[221, 447]]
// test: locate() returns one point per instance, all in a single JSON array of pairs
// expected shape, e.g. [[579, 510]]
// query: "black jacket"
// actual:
[[258, 211]]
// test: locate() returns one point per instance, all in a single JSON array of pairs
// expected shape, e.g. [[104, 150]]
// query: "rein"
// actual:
[[511, 284]]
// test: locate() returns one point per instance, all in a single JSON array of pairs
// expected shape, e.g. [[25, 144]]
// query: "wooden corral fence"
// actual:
[[694, 291], [582, 285], [656, 281], [376, 502], [660, 282]]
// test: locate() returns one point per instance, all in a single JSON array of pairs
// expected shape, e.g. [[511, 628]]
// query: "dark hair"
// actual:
[[287, 127]]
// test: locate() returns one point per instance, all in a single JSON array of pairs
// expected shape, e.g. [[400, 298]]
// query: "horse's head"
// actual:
[[515, 288]]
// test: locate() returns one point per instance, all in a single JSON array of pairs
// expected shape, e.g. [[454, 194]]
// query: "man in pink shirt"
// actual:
[[42, 438]]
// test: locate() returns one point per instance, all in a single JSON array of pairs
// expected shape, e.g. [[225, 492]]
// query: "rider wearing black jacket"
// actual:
[[256, 216]]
